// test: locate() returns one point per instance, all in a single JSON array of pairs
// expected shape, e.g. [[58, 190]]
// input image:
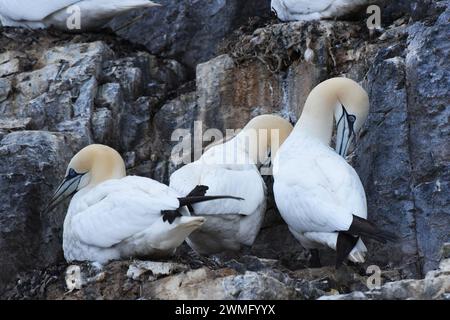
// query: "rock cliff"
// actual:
[[222, 63]]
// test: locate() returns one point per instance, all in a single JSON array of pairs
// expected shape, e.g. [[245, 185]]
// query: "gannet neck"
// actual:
[[101, 162], [316, 120], [263, 134]]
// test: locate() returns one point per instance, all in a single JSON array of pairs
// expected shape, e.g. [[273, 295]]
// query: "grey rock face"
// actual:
[[445, 253], [404, 159], [240, 92], [428, 78], [172, 124], [222, 284], [5, 89], [102, 123], [387, 176], [188, 31], [11, 62], [59, 93], [435, 286], [29, 171], [357, 295]]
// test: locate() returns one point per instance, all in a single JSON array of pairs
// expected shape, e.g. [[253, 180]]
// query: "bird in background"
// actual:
[[319, 195], [306, 10], [63, 14], [232, 168], [113, 216]]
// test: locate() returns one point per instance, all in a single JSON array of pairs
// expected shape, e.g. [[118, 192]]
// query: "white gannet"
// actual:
[[298, 10], [40, 14], [319, 195], [232, 167], [113, 216]]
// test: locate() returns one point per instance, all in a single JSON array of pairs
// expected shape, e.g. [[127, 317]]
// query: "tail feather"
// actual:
[[198, 191], [170, 215], [344, 245], [186, 201], [191, 222], [363, 228], [169, 236]]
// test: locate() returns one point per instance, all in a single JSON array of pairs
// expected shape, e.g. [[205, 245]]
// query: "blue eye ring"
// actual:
[[72, 174], [351, 118]]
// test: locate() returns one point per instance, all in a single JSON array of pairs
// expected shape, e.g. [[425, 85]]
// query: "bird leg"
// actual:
[[314, 260]]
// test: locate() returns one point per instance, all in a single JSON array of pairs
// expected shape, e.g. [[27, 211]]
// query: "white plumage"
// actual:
[[317, 192], [298, 10], [38, 14], [230, 168], [113, 216], [122, 218], [230, 224]]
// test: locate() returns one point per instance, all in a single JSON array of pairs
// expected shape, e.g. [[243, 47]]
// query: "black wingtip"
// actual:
[[198, 191], [363, 228], [197, 199]]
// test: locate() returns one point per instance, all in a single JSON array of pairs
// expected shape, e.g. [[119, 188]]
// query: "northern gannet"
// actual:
[[113, 216], [298, 10], [232, 167], [64, 14], [319, 195]]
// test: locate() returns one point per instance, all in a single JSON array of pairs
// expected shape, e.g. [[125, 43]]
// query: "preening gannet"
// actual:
[[65, 14], [113, 216], [232, 167], [319, 195], [298, 10]]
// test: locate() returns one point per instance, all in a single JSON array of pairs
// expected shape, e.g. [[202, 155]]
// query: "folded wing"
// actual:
[[118, 209], [32, 10], [319, 194]]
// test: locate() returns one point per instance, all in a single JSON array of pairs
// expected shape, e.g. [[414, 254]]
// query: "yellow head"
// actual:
[[263, 134], [341, 98], [89, 167]]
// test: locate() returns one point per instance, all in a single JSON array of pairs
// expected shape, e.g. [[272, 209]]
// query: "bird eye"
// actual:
[[351, 118], [72, 174]]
